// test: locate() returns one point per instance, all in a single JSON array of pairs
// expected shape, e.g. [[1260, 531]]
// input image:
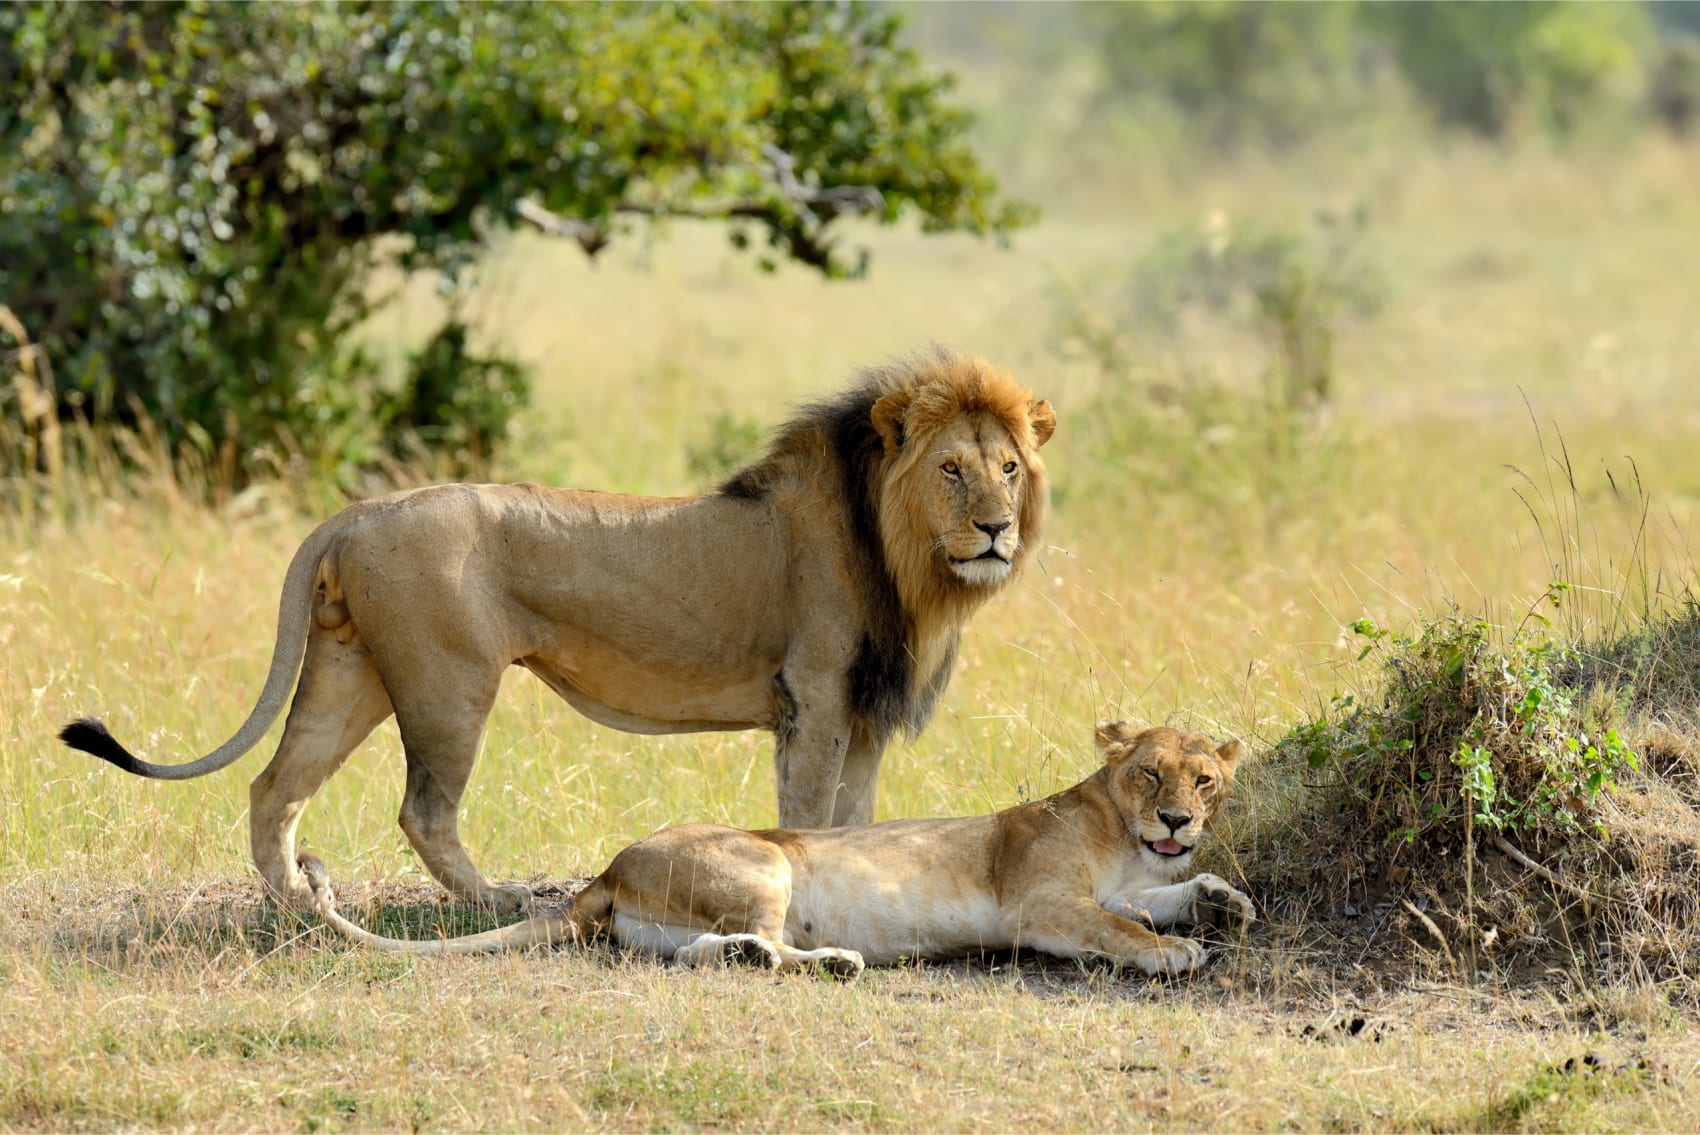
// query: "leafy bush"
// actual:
[[1674, 90], [196, 194], [1493, 69], [1471, 726], [1237, 74]]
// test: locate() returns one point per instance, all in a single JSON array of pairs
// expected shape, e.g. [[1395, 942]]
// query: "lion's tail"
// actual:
[[590, 911], [294, 612]]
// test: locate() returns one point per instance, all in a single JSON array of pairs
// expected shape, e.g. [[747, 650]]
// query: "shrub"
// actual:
[[1472, 725], [196, 194]]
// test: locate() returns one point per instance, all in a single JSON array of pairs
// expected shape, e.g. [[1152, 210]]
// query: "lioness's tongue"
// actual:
[[1167, 847]]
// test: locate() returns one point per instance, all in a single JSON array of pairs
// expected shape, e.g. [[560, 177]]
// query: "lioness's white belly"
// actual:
[[901, 893]]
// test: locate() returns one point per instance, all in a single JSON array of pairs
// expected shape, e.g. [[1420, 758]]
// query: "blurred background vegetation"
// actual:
[[201, 200]]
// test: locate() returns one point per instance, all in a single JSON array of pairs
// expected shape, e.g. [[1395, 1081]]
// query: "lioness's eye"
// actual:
[[951, 469], [1203, 780], [1009, 468]]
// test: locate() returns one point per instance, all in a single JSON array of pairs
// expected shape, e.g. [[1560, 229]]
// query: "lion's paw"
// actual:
[[1171, 956], [504, 900], [749, 950], [846, 965], [1221, 906]]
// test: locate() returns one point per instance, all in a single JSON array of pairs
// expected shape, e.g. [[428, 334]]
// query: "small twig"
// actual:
[[1544, 872], [1504, 845], [1428, 924]]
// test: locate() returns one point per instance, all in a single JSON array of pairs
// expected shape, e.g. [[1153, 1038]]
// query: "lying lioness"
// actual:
[[1077, 875]]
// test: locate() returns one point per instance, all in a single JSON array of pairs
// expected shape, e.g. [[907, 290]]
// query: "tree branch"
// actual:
[[800, 216]]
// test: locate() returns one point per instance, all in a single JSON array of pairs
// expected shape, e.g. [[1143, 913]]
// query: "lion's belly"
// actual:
[[653, 700], [892, 908], [886, 927]]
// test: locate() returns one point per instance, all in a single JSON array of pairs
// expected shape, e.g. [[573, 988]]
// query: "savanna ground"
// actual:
[[1196, 572]]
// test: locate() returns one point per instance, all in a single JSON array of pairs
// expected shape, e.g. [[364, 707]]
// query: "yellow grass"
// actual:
[[1528, 292]]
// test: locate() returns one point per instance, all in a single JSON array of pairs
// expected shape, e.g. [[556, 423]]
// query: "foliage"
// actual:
[[1470, 725], [1294, 286], [196, 194], [1674, 89], [1491, 68], [1236, 73], [1219, 76], [733, 440]]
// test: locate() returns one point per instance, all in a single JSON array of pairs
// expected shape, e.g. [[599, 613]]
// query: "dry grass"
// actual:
[[1191, 579]]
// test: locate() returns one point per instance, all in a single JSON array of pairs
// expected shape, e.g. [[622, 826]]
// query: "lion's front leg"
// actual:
[[1206, 900], [828, 773], [1074, 927]]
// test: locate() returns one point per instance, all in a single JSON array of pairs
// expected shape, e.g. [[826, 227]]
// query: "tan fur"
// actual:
[[1073, 875], [818, 593]]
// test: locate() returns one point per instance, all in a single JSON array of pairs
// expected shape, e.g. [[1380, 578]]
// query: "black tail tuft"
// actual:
[[90, 735]]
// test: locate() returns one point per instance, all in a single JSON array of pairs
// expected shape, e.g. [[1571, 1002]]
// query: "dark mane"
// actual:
[[883, 692]]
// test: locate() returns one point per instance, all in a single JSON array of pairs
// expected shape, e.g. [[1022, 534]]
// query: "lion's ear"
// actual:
[[1042, 420], [1110, 733], [887, 415], [1228, 756]]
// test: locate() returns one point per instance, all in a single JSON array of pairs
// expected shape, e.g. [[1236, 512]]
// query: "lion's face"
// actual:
[[1167, 785], [966, 486], [972, 494]]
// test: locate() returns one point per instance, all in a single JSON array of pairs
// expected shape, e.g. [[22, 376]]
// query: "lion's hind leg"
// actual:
[[709, 895], [729, 949], [339, 700], [755, 950], [441, 715]]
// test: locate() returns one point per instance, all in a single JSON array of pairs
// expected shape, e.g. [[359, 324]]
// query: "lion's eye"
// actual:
[[1156, 777], [951, 469], [1009, 468], [1203, 780]]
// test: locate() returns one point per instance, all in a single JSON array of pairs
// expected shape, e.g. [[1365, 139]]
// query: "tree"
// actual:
[[195, 194]]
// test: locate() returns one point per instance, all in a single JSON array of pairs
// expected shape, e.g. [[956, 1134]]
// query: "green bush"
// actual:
[[196, 194], [1470, 726], [1674, 89]]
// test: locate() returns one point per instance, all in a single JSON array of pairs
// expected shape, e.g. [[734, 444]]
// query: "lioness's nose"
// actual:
[[991, 530], [1176, 823]]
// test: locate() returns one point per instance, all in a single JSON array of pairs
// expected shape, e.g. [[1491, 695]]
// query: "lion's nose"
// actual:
[[1175, 822], [991, 530]]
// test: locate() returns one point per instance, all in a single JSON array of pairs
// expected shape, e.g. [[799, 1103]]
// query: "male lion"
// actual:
[[818, 593], [1077, 875]]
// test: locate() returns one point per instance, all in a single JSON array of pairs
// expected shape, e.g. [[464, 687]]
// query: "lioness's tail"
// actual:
[[294, 610], [591, 910]]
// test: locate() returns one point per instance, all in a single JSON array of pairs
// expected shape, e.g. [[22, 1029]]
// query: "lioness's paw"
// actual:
[[845, 965], [1172, 955], [749, 950], [1219, 905]]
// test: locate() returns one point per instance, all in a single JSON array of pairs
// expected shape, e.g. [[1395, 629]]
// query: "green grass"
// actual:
[[1193, 574]]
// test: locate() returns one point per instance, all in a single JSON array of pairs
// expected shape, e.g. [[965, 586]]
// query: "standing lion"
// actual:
[[818, 593]]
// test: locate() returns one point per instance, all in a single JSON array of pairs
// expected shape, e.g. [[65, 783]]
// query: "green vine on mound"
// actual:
[[1472, 725]]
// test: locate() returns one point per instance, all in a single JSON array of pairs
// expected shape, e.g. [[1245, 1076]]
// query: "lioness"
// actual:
[[818, 593], [1076, 875]]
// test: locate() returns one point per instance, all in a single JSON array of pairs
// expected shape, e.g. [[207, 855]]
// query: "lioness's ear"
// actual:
[[1043, 421], [887, 415], [1228, 756], [1113, 733]]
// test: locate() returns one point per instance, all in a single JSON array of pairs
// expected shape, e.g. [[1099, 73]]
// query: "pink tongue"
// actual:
[[1167, 847]]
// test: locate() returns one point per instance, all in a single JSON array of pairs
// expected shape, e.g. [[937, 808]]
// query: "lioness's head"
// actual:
[[964, 489], [1167, 785]]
